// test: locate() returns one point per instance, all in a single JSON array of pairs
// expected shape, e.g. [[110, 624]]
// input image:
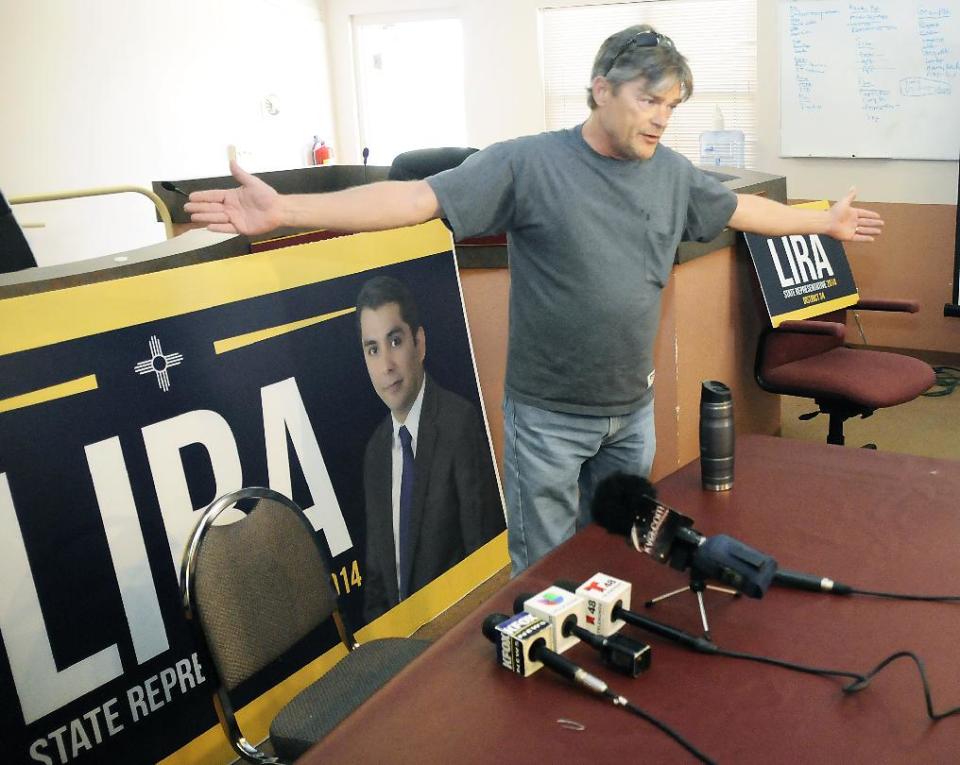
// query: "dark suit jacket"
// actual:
[[456, 503]]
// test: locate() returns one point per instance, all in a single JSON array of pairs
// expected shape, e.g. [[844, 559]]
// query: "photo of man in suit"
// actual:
[[431, 495]]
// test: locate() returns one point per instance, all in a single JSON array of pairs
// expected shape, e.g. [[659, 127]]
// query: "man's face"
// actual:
[[394, 357], [634, 118]]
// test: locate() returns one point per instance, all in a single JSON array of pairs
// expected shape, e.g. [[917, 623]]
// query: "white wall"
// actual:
[[129, 91], [111, 92], [504, 94], [505, 98]]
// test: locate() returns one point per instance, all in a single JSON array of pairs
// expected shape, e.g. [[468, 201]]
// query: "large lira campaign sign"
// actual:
[[128, 406], [801, 275]]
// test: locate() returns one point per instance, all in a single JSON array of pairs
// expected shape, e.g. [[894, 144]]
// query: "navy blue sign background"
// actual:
[[42, 455], [801, 276]]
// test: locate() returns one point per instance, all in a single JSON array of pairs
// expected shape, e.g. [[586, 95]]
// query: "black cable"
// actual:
[[819, 671], [630, 706], [707, 646], [859, 685], [948, 378], [859, 681], [813, 583], [539, 651], [903, 596]]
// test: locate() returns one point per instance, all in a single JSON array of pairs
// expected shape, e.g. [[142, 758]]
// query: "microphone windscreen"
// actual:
[[619, 500], [566, 584], [489, 626]]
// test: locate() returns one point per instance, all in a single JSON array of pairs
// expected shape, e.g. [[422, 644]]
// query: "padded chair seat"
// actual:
[[872, 379], [317, 709]]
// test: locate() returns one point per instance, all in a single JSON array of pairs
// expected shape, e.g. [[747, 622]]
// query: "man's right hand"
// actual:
[[254, 208]]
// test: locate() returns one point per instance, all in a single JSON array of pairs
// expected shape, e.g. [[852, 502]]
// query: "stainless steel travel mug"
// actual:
[[716, 436]]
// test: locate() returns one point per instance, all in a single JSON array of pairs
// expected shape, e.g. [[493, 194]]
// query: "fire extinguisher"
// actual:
[[321, 152]]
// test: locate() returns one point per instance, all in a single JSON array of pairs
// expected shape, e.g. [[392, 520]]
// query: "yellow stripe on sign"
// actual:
[[255, 718], [58, 315], [401, 620], [436, 597], [817, 309], [817, 204], [50, 393], [241, 341]]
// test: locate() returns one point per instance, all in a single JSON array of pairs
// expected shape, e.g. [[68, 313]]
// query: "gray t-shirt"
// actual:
[[591, 242]]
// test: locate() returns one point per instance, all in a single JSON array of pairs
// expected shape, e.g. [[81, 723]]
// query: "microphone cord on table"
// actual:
[[860, 681], [859, 685], [662, 726], [907, 596]]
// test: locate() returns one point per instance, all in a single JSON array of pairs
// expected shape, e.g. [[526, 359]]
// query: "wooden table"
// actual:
[[874, 520]]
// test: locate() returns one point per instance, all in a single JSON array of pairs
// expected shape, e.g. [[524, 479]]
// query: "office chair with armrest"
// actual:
[[809, 359], [255, 587]]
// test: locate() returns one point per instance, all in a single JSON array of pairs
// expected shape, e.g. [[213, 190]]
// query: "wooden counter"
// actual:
[[708, 331], [708, 323]]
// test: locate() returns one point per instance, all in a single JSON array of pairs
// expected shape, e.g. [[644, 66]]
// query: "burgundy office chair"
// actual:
[[809, 359]]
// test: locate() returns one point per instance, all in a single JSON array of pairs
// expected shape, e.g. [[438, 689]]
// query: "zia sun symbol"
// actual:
[[159, 363]]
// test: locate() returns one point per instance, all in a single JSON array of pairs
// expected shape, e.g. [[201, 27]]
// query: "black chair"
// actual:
[[15, 253], [422, 163], [810, 359], [255, 587]]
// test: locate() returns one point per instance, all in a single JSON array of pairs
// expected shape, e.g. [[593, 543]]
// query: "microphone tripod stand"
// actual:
[[697, 586]]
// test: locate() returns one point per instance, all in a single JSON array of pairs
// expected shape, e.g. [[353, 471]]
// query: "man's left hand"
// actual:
[[853, 224]]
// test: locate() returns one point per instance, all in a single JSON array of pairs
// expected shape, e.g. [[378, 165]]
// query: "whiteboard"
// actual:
[[870, 78]]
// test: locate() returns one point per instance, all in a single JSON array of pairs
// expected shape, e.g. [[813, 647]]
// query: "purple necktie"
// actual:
[[406, 509]]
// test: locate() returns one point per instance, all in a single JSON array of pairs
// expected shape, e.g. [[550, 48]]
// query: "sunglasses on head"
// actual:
[[646, 39]]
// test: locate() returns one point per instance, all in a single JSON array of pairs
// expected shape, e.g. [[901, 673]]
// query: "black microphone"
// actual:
[[174, 188], [608, 611], [626, 504], [800, 581], [366, 153], [701, 644], [524, 636], [621, 653], [522, 648]]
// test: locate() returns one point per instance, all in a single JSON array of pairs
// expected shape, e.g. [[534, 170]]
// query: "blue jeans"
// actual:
[[552, 464]]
